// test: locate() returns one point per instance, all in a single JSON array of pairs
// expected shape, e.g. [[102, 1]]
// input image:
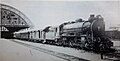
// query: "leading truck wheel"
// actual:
[[88, 46], [96, 44]]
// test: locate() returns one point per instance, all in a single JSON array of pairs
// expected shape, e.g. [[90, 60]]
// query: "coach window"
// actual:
[[39, 33]]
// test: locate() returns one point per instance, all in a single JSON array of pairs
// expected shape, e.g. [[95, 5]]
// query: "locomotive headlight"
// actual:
[[98, 28]]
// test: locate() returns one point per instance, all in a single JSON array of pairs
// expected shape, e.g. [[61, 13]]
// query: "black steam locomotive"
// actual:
[[83, 34]]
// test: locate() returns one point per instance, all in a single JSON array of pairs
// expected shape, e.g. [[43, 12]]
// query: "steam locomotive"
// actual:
[[83, 34]]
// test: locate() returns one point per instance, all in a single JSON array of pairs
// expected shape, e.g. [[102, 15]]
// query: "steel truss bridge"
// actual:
[[12, 20]]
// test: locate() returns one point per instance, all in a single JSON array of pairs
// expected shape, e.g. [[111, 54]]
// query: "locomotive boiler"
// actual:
[[70, 33]]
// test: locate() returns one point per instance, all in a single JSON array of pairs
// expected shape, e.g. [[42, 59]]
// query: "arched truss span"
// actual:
[[11, 17]]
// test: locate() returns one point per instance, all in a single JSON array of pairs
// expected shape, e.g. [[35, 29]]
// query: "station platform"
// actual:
[[11, 51]]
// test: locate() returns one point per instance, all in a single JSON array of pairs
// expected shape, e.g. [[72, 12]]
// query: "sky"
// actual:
[[53, 13]]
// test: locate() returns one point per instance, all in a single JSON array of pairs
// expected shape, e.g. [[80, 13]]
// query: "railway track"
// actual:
[[57, 54], [115, 54]]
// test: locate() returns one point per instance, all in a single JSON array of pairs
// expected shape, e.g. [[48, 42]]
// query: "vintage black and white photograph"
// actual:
[[59, 30]]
